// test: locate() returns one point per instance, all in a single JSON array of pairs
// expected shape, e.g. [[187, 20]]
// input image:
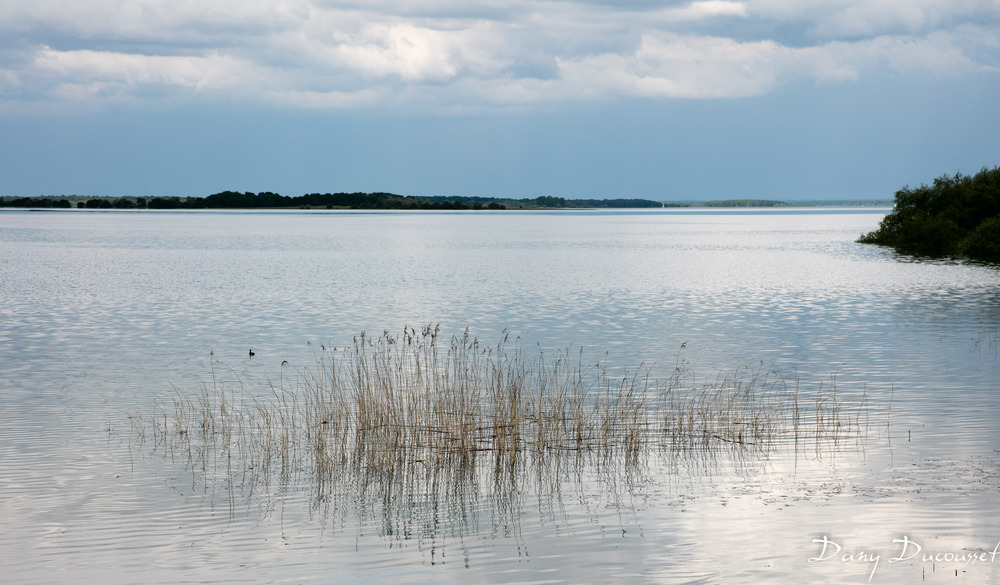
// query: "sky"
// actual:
[[662, 100]]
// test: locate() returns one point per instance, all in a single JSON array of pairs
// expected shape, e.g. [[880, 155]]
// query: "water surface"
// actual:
[[101, 312]]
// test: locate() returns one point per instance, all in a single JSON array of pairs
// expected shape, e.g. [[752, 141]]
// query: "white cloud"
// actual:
[[454, 54], [667, 65], [154, 20], [413, 53], [8, 80], [675, 66], [703, 10], [935, 53], [858, 18], [211, 71]]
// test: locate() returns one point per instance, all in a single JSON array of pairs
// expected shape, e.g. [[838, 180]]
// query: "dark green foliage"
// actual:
[[164, 203], [383, 201], [176, 203], [548, 202], [956, 216], [378, 200], [36, 202], [233, 199], [629, 203], [984, 242]]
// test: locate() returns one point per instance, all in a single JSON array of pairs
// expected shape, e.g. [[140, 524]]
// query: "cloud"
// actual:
[[88, 77], [411, 52], [704, 10], [467, 54], [667, 65], [675, 66], [938, 53], [177, 21], [8, 80], [830, 19], [209, 72]]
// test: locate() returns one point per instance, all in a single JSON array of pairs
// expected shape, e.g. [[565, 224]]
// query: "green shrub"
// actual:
[[984, 242], [945, 219]]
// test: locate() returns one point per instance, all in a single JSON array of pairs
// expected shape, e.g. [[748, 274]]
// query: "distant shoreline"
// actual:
[[390, 201]]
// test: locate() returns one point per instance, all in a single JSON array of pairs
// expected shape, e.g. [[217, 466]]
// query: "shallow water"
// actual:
[[101, 312]]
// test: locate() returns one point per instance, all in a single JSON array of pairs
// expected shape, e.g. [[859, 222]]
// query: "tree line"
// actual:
[[269, 200], [249, 200], [378, 200], [955, 216]]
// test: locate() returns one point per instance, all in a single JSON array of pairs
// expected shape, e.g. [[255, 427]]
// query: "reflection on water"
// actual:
[[451, 512], [102, 312], [682, 515], [429, 441]]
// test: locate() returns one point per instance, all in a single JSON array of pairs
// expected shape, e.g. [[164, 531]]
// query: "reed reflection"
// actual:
[[425, 439]]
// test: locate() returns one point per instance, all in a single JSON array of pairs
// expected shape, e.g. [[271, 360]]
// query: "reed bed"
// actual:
[[418, 398]]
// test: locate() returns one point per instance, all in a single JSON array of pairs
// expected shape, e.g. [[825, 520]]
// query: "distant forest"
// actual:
[[268, 200]]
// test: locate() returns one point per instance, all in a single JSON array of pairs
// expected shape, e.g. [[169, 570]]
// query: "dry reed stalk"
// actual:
[[388, 401]]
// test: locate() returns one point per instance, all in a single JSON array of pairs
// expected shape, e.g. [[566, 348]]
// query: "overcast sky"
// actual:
[[777, 99]]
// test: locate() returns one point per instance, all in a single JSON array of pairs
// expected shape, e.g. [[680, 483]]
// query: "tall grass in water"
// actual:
[[417, 398]]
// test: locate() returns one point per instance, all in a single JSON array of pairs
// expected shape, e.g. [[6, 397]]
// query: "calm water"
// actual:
[[102, 312]]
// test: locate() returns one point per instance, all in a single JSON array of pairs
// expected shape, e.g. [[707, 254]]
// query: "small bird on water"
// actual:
[[251, 354]]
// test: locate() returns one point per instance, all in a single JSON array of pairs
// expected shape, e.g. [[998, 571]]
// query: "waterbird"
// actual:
[[251, 354]]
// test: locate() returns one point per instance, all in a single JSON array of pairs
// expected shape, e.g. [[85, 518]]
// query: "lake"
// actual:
[[107, 317]]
